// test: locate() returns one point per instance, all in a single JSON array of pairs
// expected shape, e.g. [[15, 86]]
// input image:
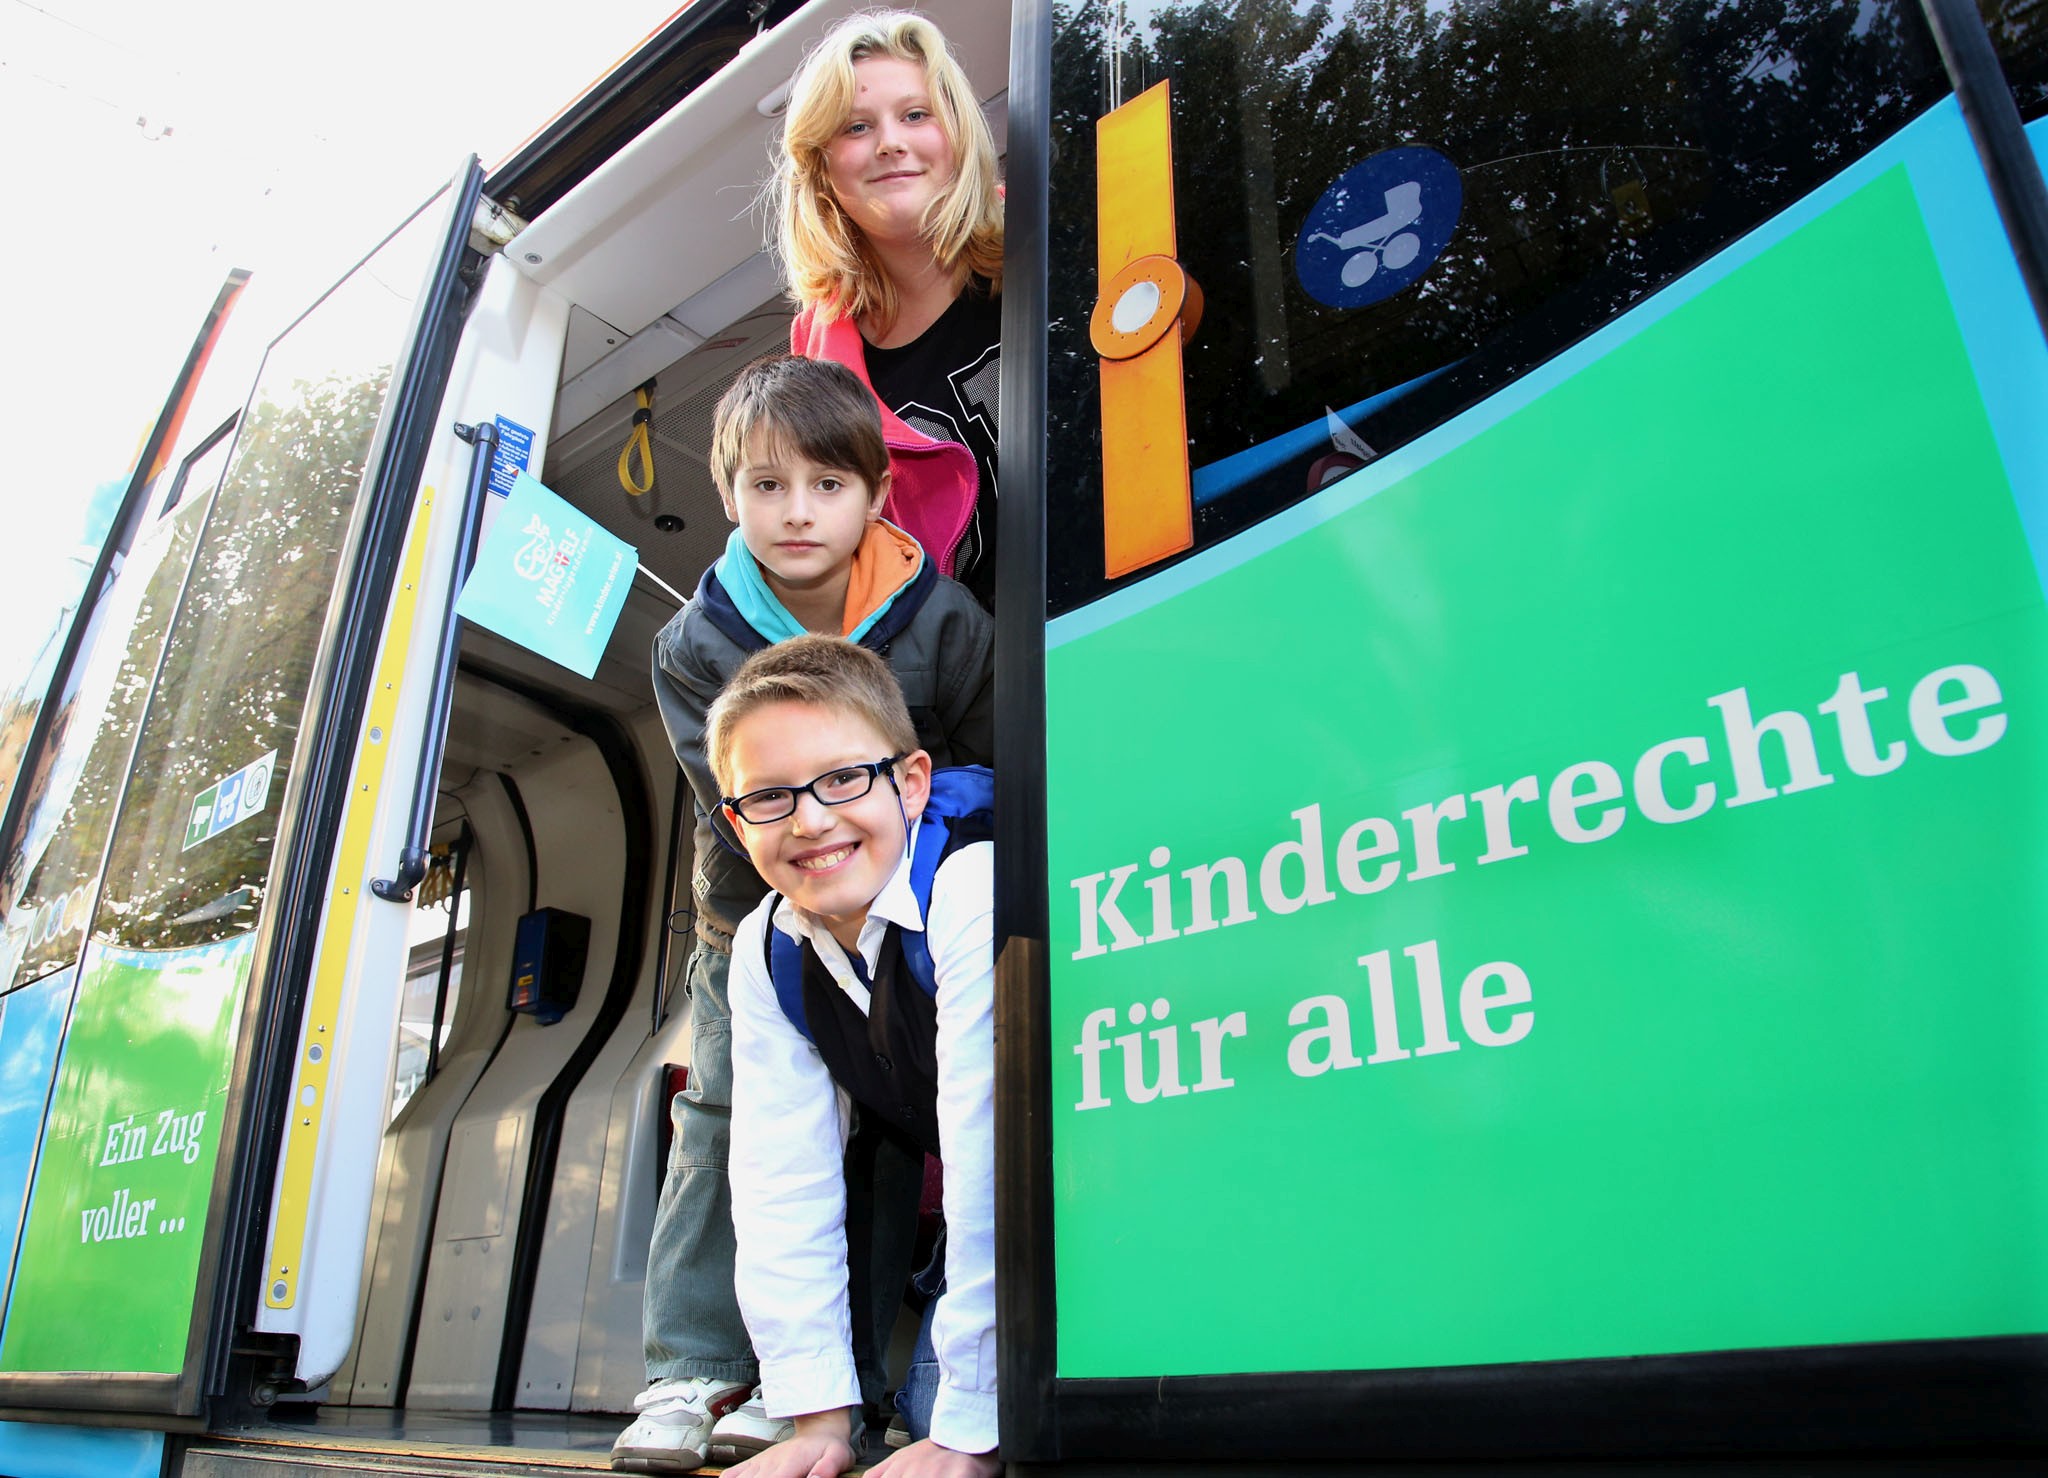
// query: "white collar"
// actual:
[[895, 904]]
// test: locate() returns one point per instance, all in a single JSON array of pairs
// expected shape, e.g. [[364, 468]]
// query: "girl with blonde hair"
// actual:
[[888, 218]]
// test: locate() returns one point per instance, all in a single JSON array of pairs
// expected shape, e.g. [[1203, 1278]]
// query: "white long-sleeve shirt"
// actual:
[[789, 1127]]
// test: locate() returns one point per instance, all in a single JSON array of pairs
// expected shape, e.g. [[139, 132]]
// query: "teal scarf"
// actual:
[[741, 577]]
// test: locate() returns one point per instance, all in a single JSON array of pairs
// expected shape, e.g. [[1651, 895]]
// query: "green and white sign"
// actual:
[[1574, 888], [110, 1251], [228, 801]]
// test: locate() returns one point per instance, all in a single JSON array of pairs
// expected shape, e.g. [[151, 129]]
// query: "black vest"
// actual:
[[887, 1058]]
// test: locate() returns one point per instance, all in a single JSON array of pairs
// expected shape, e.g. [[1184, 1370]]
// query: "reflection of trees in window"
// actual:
[[27, 663], [240, 664], [1603, 148], [2019, 29], [17, 717], [78, 779]]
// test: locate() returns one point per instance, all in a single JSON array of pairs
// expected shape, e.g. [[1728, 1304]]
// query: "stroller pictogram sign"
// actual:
[[1378, 228]]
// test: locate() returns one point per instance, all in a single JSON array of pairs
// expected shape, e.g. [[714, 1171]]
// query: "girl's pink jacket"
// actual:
[[934, 483]]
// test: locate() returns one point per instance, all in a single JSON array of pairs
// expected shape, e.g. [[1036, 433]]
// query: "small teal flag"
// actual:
[[550, 578]]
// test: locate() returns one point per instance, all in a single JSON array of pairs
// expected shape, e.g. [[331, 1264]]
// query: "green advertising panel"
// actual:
[[110, 1250], [1574, 888]]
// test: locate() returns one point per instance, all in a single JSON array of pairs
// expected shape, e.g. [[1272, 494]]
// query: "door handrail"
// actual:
[[482, 438]]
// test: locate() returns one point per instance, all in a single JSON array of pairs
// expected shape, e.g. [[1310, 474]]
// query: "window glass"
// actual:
[[199, 474], [52, 877], [192, 849], [1566, 160], [37, 621], [420, 1034], [2019, 30]]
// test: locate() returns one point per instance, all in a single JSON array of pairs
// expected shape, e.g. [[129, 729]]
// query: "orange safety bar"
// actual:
[[1147, 505]]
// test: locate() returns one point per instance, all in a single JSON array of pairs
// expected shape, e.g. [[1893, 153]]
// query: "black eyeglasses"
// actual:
[[833, 788]]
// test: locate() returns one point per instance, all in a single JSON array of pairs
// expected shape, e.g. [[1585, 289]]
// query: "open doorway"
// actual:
[[515, 1192]]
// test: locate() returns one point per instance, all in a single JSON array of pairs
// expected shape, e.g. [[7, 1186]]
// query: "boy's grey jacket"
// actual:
[[940, 645]]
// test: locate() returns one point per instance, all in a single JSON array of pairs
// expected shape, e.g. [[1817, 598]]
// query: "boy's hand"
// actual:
[[819, 1449], [927, 1459]]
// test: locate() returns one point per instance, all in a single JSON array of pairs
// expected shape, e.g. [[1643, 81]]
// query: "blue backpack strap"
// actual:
[[960, 793], [786, 970]]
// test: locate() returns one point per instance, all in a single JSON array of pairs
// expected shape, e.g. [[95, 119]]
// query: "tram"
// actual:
[[1522, 674]]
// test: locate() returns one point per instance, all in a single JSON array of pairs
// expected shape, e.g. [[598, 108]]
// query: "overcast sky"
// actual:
[[155, 144]]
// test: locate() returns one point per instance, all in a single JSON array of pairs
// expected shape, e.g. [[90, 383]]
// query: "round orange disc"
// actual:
[[1137, 307]]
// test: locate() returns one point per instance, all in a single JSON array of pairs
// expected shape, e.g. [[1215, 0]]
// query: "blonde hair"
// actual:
[[827, 261], [817, 408], [818, 671]]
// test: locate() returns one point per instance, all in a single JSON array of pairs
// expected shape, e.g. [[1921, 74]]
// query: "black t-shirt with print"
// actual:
[[946, 383]]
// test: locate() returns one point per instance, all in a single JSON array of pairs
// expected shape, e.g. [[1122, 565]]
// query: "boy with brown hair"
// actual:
[[802, 471], [866, 978]]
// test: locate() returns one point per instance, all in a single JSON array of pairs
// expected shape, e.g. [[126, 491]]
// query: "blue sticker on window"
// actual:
[[1375, 232]]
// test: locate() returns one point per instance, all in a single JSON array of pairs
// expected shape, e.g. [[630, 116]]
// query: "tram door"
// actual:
[[1543, 712], [180, 848]]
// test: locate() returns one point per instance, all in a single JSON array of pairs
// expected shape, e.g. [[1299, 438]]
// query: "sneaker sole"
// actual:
[[664, 1460], [739, 1449], [735, 1449]]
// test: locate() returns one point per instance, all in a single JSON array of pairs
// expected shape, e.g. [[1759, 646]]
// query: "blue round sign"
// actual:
[[1377, 229]]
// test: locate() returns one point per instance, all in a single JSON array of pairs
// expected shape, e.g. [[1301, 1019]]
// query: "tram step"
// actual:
[[217, 1457], [335, 1441]]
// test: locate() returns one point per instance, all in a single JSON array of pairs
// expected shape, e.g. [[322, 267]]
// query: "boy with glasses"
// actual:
[[837, 806], [802, 470]]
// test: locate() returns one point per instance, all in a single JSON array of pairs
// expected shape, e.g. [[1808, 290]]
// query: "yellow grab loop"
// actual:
[[639, 440]]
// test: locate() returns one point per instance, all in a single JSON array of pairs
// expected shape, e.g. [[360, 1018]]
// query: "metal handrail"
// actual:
[[412, 857]]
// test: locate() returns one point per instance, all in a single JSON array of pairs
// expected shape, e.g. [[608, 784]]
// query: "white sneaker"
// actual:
[[672, 1432], [748, 1429]]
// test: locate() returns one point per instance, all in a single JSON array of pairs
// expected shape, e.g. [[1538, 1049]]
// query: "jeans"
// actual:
[[690, 1316], [919, 1392]]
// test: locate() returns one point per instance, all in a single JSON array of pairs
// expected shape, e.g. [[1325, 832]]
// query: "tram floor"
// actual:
[[301, 1441]]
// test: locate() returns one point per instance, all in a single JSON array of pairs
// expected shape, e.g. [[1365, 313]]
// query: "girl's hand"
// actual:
[[819, 1449], [927, 1459]]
